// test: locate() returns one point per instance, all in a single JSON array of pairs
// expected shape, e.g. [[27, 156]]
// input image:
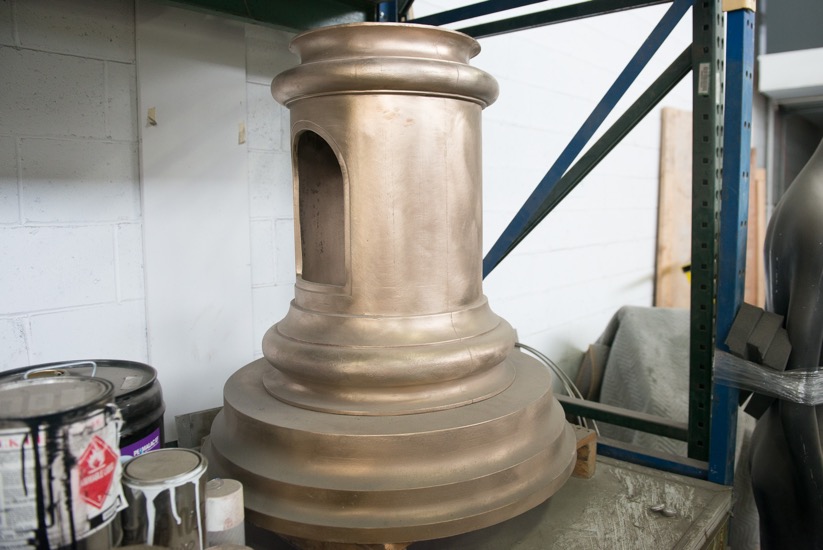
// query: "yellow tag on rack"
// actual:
[[734, 5]]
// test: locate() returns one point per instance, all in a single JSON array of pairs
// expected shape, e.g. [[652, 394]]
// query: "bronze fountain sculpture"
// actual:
[[391, 405]]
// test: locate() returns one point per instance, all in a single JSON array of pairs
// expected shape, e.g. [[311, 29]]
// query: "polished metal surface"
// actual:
[[391, 405]]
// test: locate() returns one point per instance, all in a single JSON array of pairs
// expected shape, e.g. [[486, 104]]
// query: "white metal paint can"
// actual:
[[165, 490], [59, 461]]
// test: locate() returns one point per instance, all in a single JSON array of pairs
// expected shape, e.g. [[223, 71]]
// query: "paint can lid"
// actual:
[[164, 467], [40, 398], [128, 377]]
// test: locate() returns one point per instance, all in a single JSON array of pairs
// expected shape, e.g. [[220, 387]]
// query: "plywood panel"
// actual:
[[675, 207], [674, 218], [755, 268], [192, 80]]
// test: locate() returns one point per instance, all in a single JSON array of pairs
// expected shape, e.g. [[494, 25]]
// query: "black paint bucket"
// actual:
[[137, 393], [60, 466]]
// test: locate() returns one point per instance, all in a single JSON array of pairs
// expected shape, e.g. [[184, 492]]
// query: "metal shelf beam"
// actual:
[[552, 16], [582, 10], [474, 10], [287, 14], [635, 420]]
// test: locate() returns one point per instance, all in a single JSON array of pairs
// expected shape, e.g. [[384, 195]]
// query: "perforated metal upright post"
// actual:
[[387, 12], [733, 222], [708, 60]]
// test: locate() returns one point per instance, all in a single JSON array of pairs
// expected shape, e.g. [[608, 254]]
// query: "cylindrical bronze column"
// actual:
[[389, 315], [391, 405]]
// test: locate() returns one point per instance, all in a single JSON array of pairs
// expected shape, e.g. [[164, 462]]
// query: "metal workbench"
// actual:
[[611, 510]]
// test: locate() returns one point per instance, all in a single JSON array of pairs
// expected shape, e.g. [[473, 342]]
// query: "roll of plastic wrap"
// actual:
[[224, 513]]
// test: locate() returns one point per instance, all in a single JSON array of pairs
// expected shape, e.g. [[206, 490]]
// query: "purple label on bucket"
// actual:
[[148, 443]]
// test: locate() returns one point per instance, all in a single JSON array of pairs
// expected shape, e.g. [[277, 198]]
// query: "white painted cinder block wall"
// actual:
[[72, 223], [70, 220]]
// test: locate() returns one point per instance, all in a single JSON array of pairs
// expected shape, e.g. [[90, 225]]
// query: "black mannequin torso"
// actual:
[[787, 458]]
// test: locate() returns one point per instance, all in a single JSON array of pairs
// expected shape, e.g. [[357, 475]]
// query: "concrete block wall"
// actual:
[[70, 220], [270, 180], [71, 225], [596, 251]]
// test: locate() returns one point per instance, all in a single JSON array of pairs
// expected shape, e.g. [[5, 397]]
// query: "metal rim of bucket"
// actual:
[[52, 386], [142, 406], [184, 475], [98, 366]]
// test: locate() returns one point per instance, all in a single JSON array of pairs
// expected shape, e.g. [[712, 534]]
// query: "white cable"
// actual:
[[568, 385]]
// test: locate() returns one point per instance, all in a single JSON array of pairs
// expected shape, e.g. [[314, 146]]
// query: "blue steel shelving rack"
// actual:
[[720, 60]]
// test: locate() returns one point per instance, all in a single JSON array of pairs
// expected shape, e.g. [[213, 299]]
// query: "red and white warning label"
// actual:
[[97, 466]]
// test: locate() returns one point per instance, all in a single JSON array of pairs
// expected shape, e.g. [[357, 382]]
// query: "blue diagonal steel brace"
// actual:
[[473, 10], [562, 14], [523, 220], [734, 208], [675, 72]]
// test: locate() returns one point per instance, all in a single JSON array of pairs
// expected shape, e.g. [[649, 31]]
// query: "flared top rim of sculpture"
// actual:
[[390, 57], [431, 42]]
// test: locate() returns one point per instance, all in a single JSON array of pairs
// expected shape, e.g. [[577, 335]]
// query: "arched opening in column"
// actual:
[[321, 211]]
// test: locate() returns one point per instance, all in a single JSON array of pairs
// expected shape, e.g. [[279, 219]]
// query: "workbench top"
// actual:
[[609, 511]]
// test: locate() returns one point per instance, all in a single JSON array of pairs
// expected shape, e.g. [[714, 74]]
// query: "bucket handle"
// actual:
[[63, 366]]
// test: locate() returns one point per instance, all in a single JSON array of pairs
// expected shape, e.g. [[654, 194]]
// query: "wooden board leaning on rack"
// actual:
[[674, 217]]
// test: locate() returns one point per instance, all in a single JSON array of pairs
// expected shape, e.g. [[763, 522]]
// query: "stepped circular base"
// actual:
[[377, 479]]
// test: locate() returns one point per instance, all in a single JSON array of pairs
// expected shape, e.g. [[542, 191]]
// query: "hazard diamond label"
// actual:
[[96, 468]]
